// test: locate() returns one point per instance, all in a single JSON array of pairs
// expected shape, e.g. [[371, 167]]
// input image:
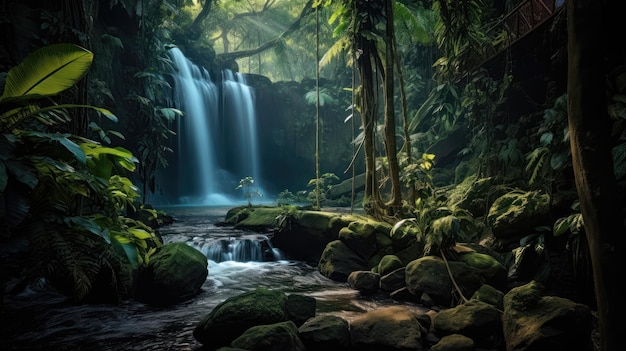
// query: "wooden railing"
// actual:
[[521, 20]]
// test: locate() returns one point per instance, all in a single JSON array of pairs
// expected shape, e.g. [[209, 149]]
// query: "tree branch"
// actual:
[[229, 56]]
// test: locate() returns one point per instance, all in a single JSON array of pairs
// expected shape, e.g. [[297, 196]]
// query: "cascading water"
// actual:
[[244, 248], [216, 146], [238, 103]]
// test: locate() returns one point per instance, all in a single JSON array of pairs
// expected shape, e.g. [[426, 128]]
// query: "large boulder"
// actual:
[[387, 328], [326, 332], [366, 282], [533, 322], [300, 308], [489, 268], [307, 233], [235, 315], [515, 214], [454, 342], [475, 319], [338, 261], [281, 336], [175, 273], [429, 275]]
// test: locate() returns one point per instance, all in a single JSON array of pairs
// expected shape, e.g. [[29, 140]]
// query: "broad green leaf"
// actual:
[[108, 114], [47, 71], [140, 233], [90, 225], [23, 172], [62, 139]]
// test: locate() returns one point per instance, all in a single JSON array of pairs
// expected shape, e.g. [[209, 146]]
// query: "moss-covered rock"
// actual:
[[429, 275], [516, 213], [338, 261], [231, 318], [282, 336], [388, 264], [532, 321], [260, 218], [176, 272], [490, 269], [475, 319], [488, 294]]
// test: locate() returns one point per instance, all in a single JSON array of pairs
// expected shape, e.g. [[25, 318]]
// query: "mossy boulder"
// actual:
[[281, 336], [492, 271], [532, 321], [388, 264], [175, 273], [475, 319], [235, 315], [516, 213], [429, 275], [260, 218], [338, 261]]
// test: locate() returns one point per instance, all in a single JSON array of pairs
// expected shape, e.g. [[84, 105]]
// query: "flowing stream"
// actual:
[[40, 319]]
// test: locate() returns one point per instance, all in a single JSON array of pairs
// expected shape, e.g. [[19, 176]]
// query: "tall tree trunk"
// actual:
[[79, 21], [368, 121], [589, 126], [390, 116], [366, 58]]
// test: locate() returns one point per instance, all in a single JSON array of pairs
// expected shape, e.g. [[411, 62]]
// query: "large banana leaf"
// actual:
[[47, 71]]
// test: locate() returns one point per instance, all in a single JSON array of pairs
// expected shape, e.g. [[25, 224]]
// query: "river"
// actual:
[[40, 319]]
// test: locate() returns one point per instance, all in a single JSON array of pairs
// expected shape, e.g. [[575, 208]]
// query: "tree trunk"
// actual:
[[368, 121], [390, 116], [366, 58], [589, 126]]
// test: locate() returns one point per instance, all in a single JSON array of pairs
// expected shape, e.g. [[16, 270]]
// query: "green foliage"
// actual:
[[419, 174], [553, 154], [321, 185], [324, 95], [246, 185], [459, 33], [73, 187], [480, 100], [441, 227], [286, 197], [287, 216], [151, 126]]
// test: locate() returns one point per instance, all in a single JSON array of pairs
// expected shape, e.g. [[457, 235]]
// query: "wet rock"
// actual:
[[387, 328], [282, 336], [429, 275], [325, 333], [175, 273], [364, 281], [535, 322], [476, 320], [338, 261], [300, 308], [231, 318]]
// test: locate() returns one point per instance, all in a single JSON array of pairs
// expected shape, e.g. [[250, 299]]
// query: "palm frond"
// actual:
[[47, 71]]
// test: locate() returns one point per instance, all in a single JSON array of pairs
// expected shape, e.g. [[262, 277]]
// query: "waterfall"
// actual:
[[238, 104], [241, 249], [216, 146]]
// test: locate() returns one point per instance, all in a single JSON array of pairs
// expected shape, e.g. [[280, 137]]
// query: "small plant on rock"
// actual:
[[246, 184]]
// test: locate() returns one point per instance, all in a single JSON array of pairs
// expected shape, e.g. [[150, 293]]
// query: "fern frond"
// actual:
[[536, 160]]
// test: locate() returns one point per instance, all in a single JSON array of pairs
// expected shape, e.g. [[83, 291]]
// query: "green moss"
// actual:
[[319, 220], [261, 217]]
